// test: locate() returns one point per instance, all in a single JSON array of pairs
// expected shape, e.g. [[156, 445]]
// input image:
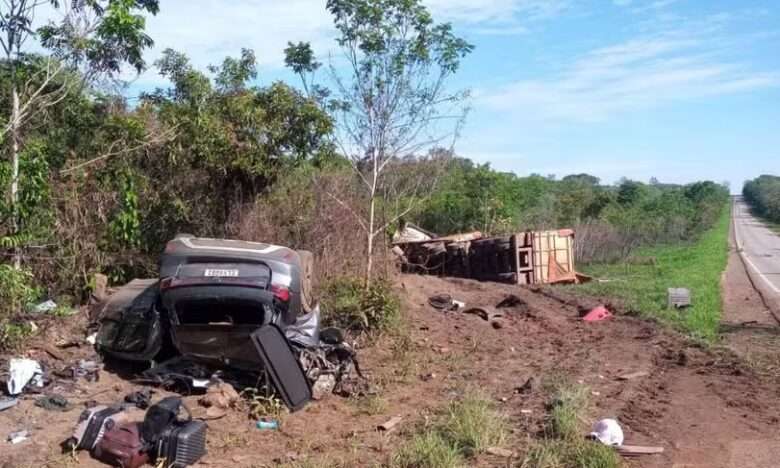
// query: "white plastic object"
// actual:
[[608, 432], [21, 372]]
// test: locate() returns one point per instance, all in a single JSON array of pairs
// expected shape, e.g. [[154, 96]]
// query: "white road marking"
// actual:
[[745, 256]]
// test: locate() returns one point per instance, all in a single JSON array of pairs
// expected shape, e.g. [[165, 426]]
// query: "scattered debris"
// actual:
[[633, 375], [443, 302], [18, 436], [21, 372], [85, 369], [322, 386], [220, 395], [634, 450], [271, 424], [200, 383], [678, 298], [141, 399], [511, 301], [53, 352], [526, 411], [530, 385], [608, 432], [53, 403], [597, 314], [390, 424], [500, 452], [6, 403], [92, 339], [43, 307], [486, 312]]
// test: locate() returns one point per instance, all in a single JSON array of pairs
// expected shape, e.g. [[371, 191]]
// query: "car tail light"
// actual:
[[280, 292]]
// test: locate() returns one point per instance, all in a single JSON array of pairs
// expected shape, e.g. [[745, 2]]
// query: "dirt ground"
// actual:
[[706, 407]]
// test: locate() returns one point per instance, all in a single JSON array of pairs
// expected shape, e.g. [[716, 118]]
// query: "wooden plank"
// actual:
[[390, 424], [500, 452], [633, 375], [634, 450]]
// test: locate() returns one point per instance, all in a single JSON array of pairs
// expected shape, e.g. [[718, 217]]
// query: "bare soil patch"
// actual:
[[707, 407]]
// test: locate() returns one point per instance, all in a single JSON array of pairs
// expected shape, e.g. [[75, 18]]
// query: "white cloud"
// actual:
[[208, 30], [637, 74], [496, 11]]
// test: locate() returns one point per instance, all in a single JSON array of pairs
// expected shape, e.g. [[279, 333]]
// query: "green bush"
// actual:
[[348, 304], [16, 292]]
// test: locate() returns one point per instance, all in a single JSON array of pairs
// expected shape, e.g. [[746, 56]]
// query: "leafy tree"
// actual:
[[92, 40], [232, 137], [391, 95]]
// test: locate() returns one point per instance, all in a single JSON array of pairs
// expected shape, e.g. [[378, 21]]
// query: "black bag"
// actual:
[[161, 416], [282, 366], [182, 444]]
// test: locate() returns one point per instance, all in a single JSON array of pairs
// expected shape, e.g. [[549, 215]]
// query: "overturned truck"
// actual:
[[530, 257]]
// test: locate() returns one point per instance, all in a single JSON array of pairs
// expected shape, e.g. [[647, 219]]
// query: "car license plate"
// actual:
[[220, 273]]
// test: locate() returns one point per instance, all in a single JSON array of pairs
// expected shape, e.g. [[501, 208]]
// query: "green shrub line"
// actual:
[[642, 281], [763, 194]]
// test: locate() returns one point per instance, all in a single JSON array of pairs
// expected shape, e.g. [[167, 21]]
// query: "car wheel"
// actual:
[[307, 274]]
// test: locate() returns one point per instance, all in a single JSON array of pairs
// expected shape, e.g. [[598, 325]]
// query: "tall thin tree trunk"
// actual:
[[15, 138], [370, 241]]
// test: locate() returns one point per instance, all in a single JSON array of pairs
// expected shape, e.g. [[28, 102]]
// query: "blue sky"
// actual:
[[680, 90]]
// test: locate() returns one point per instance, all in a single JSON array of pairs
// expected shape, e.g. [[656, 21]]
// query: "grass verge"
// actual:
[[564, 445], [468, 427], [697, 266]]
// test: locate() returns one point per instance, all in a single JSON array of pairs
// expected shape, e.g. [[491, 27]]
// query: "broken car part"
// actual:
[[6, 403], [53, 403], [130, 324], [282, 366]]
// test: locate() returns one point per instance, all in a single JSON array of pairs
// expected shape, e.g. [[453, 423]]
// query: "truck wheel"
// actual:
[[307, 274]]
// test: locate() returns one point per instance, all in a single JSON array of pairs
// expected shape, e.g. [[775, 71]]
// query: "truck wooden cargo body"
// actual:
[[531, 257]]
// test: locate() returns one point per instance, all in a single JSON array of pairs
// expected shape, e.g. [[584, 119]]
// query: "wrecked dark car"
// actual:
[[211, 295], [230, 307]]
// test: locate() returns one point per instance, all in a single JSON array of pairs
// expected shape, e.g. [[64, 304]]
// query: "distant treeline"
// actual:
[[763, 193], [611, 219]]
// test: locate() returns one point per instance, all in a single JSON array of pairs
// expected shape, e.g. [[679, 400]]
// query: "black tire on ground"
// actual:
[[307, 274]]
